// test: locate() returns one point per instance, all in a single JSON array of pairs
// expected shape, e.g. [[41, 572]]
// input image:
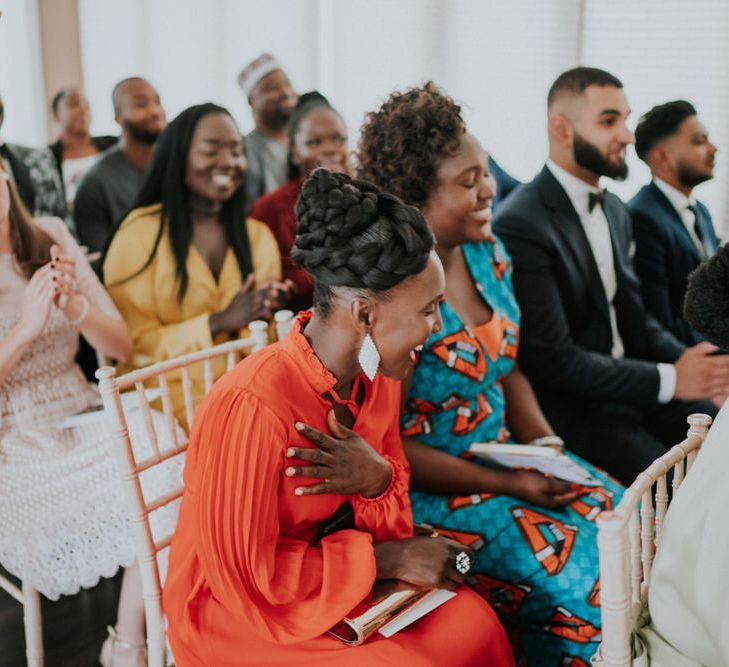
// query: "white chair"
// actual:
[[32, 622], [139, 507], [628, 538]]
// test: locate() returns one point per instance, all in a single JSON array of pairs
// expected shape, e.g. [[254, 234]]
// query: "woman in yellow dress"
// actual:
[[185, 268]]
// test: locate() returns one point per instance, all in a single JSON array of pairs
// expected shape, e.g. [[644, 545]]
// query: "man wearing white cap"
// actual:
[[272, 100]]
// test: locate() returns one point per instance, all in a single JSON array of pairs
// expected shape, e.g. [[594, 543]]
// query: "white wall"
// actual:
[[21, 78], [665, 50], [496, 58]]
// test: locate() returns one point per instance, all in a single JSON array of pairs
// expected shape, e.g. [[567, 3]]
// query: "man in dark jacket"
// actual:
[[612, 381], [673, 231]]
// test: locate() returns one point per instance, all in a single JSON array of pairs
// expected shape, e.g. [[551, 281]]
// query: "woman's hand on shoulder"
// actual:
[[429, 562], [543, 491], [344, 461]]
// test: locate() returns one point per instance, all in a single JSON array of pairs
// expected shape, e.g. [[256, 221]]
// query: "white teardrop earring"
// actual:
[[369, 357]]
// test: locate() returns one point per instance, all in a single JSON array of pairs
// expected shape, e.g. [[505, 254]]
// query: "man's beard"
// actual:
[[588, 156], [279, 119], [142, 134], [690, 177]]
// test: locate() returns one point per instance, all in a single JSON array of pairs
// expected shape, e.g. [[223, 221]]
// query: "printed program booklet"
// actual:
[[547, 460]]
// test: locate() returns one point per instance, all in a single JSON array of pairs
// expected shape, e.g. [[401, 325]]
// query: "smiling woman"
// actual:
[[305, 430], [317, 138], [200, 271], [538, 563]]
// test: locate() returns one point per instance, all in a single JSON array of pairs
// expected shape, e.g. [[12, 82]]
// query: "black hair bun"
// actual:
[[706, 304], [353, 235]]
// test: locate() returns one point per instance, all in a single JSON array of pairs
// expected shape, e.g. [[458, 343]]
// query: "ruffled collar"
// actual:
[[320, 377]]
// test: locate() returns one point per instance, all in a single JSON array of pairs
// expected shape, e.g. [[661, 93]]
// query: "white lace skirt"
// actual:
[[63, 519]]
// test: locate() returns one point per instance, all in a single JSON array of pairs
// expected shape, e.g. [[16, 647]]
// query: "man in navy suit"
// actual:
[[611, 380], [673, 231]]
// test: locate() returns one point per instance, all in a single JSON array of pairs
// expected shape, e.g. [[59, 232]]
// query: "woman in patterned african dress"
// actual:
[[537, 563]]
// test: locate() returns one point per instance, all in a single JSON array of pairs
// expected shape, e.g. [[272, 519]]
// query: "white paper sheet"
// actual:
[[424, 606], [552, 463]]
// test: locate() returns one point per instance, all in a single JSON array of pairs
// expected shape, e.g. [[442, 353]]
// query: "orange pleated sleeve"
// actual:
[[248, 581]]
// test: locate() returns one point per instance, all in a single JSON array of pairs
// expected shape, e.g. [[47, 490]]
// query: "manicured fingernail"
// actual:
[[290, 451], [299, 491], [290, 472], [575, 487], [299, 426]]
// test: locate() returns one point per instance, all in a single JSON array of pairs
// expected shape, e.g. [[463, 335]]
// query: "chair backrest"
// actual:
[[628, 538], [159, 430]]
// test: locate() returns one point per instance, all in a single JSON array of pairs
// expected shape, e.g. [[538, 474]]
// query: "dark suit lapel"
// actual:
[[568, 225], [672, 214], [621, 260]]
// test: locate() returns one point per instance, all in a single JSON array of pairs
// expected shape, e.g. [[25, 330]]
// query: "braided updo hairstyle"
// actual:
[[403, 143], [355, 236], [706, 304]]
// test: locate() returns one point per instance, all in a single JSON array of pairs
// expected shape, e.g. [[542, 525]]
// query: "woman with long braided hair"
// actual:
[[306, 432]]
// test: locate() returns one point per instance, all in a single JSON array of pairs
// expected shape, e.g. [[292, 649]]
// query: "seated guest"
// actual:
[[303, 430], [505, 182], [76, 151], [318, 138], [34, 176], [672, 230], [109, 188], [185, 267], [272, 99], [611, 380], [62, 511], [684, 624], [466, 388]]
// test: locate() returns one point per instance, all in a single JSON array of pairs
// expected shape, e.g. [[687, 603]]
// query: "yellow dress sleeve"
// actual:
[[264, 252], [136, 299]]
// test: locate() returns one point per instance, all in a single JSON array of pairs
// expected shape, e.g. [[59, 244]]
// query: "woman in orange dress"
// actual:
[[303, 431]]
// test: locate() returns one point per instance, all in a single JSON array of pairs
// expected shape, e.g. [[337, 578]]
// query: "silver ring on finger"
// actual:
[[463, 562]]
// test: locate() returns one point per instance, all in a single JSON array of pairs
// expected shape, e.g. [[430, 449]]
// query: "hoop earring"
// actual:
[[369, 357]]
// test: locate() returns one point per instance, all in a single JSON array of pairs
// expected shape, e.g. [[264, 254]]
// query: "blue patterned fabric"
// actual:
[[537, 567]]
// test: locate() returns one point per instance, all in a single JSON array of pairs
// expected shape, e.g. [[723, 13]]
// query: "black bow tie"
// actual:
[[595, 199]]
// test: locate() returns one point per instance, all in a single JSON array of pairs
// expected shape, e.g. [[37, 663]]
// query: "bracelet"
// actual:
[[548, 441], [84, 312]]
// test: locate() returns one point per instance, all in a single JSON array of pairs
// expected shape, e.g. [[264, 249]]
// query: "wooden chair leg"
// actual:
[[33, 626]]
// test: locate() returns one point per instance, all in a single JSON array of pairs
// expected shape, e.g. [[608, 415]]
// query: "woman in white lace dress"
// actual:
[[62, 516]]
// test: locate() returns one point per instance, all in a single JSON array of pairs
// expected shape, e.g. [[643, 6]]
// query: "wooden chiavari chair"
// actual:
[[140, 508], [628, 538]]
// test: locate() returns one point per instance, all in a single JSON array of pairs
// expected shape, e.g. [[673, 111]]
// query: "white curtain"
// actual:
[[665, 50], [496, 58], [21, 73]]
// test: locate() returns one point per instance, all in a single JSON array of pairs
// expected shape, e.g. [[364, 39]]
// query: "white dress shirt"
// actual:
[[597, 231], [681, 203]]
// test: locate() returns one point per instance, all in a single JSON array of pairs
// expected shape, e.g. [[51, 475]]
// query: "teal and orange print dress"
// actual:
[[537, 567]]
